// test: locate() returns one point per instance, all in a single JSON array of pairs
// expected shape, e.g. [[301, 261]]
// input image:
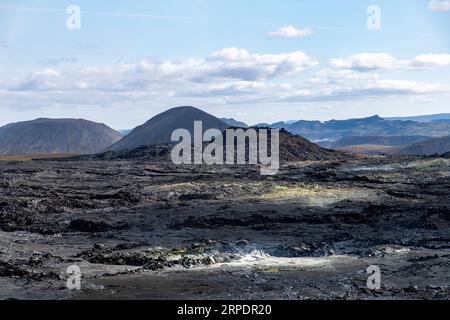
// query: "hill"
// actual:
[[158, 130], [292, 148], [56, 136], [428, 147], [296, 148]]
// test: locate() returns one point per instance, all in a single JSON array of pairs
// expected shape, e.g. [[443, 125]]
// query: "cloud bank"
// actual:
[[291, 32], [228, 76], [365, 62]]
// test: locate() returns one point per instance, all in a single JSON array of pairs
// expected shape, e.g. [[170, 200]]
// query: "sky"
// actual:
[[122, 62]]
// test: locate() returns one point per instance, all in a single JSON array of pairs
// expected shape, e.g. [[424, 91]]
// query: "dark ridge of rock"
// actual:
[[159, 152], [158, 130], [146, 261], [83, 225], [254, 221], [14, 221], [292, 148], [56, 136], [303, 249], [13, 269], [13, 217], [297, 148]]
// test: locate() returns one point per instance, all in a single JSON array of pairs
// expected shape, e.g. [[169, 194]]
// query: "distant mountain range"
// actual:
[[158, 130], [151, 141], [373, 135], [372, 126], [56, 136], [440, 117], [429, 147], [392, 145], [421, 135], [292, 148]]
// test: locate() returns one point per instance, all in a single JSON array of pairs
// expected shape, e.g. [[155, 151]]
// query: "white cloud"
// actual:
[[240, 64], [239, 88], [330, 76], [45, 80], [432, 60], [407, 86], [291, 32], [365, 62], [224, 73], [375, 89], [221, 66], [439, 5], [228, 76]]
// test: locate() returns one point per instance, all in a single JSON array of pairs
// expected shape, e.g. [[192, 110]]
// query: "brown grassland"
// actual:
[[29, 157]]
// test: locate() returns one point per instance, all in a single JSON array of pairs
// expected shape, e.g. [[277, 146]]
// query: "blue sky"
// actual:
[[257, 61]]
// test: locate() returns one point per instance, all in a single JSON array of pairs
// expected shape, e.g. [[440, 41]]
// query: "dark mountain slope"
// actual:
[[158, 130], [56, 136], [428, 147], [292, 148]]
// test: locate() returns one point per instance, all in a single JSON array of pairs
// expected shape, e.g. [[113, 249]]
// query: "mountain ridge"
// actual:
[[423, 118], [292, 148], [435, 146], [371, 126]]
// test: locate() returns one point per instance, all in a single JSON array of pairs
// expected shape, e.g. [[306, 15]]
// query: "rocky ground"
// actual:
[[142, 230]]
